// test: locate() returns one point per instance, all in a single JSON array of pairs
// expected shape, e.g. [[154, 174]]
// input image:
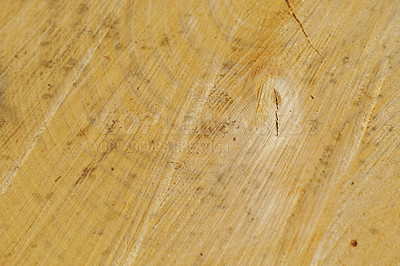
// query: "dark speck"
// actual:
[[354, 243]]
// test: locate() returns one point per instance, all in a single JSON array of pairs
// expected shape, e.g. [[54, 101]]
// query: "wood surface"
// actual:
[[217, 132]]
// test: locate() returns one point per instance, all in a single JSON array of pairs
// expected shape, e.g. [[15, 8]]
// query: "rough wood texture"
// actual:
[[199, 131]]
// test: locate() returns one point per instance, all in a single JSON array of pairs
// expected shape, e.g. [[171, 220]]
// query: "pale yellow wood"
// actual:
[[199, 132]]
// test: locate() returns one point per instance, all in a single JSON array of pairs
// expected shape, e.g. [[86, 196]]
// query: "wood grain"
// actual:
[[199, 132]]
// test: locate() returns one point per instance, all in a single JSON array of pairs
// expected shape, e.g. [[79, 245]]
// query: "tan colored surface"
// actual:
[[146, 132]]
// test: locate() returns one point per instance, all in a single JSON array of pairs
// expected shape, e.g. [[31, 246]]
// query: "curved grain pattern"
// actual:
[[199, 132]]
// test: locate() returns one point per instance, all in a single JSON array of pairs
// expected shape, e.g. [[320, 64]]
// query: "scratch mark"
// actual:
[[276, 99], [276, 112], [58, 178], [302, 28], [85, 173]]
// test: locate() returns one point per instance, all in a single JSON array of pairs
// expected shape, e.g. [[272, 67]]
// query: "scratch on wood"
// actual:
[[302, 28], [85, 173], [276, 99], [276, 112]]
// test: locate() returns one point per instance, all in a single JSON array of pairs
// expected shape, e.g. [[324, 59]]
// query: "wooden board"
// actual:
[[199, 132]]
